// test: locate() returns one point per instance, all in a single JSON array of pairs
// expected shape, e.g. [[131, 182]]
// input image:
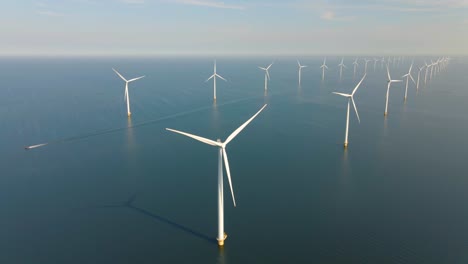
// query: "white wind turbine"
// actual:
[[350, 98], [427, 69], [300, 70], [221, 155], [214, 80], [323, 67], [365, 67], [375, 63], [126, 96], [408, 76], [419, 73], [355, 63], [341, 65], [267, 75], [390, 81]]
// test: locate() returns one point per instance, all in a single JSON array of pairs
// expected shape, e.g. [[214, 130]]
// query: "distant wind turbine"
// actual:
[[221, 155], [126, 96], [341, 65], [365, 67], [355, 63], [419, 73], [323, 67], [300, 70], [267, 75], [390, 81], [408, 76], [375, 63], [350, 98], [214, 80], [427, 71]]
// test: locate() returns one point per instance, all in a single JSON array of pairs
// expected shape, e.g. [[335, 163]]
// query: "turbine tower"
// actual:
[[214, 80], [300, 70], [323, 67], [267, 75], [355, 63], [341, 65], [390, 81], [350, 98], [126, 96], [408, 76], [222, 155]]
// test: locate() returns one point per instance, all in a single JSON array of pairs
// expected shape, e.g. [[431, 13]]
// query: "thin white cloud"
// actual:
[[133, 2], [209, 3], [331, 16], [49, 13]]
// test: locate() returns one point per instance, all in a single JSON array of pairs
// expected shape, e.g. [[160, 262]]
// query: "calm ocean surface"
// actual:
[[115, 190]]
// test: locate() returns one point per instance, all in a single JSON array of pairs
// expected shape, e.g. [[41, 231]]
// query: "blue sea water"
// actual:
[[109, 189]]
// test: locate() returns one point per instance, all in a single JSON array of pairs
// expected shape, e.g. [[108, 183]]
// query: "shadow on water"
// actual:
[[129, 204]]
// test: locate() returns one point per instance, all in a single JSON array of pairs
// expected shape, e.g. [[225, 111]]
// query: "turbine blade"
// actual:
[[388, 74], [269, 66], [262, 68], [134, 79], [201, 139], [238, 130], [412, 78], [268, 74], [357, 86], [221, 77], [228, 171], [342, 94], [210, 78], [120, 75], [355, 109]]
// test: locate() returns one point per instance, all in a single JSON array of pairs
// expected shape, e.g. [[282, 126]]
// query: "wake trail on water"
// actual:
[[149, 122]]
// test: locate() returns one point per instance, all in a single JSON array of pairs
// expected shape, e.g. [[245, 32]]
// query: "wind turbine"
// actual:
[[350, 98], [341, 67], [355, 63], [365, 67], [323, 67], [408, 76], [300, 70], [375, 63], [390, 81], [221, 155], [427, 69], [267, 75], [214, 80], [419, 73], [126, 96]]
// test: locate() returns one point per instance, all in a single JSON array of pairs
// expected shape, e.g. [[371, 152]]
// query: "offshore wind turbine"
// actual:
[[214, 80], [300, 70], [126, 96], [365, 67], [323, 67], [375, 63], [355, 63], [222, 155], [350, 98], [427, 69], [419, 73], [341, 65], [390, 81], [267, 75], [408, 76]]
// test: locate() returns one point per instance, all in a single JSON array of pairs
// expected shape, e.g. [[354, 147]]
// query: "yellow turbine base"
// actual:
[[385, 114], [221, 241], [129, 114], [346, 145]]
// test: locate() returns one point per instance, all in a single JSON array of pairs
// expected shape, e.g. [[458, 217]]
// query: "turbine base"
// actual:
[[345, 145], [129, 114], [385, 114], [221, 241]]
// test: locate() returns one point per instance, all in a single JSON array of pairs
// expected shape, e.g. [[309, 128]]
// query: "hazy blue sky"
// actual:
[[106, 27]]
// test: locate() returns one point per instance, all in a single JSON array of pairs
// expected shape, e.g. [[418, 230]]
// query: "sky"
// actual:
[[212, 27]]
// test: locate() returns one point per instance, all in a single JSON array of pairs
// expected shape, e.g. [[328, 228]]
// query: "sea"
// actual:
[[111, 189]]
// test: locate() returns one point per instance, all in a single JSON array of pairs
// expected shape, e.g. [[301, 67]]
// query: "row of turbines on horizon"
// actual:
[[435, 67]]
